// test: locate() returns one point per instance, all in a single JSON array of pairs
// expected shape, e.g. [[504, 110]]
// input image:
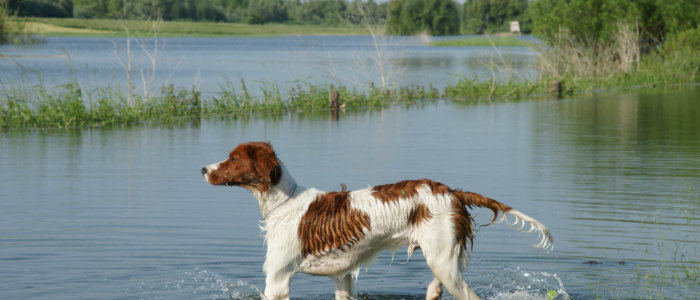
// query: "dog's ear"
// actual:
[[266, 165]]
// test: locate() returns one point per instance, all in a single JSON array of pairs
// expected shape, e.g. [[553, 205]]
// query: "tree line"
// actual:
[[330, 12], [586, 20], [401, 16]]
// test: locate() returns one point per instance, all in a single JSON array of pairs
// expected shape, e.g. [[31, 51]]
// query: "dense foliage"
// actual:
[[4, 31], [44, 8], [488, 16], [436, 17], [251, 11], [591, 21], [12, 31]]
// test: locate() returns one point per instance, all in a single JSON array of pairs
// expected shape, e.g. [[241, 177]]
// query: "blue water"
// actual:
[[124, 213], [207, 63]]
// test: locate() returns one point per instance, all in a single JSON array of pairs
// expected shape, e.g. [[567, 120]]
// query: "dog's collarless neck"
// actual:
[[291, 194]]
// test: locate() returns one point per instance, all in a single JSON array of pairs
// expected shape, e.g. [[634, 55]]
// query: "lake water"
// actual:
[[287, 61], [125, 214]]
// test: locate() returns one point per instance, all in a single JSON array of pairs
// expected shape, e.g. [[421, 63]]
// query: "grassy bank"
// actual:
[[109, 27], [484, 41]]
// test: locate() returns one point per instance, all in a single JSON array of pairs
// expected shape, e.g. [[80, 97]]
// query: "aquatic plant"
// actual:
[[69, 105], [676, 265]]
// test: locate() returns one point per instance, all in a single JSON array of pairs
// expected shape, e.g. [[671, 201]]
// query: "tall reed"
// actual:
[[579, 63]]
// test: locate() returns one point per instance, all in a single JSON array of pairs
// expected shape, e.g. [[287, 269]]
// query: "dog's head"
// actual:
[[253, 166]]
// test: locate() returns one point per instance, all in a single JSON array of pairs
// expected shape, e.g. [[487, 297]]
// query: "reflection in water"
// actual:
[[125, 212], [206, 63], [628, 159]]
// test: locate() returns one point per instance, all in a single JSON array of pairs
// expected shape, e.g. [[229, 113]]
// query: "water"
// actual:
[[124, 213], [286, 61]]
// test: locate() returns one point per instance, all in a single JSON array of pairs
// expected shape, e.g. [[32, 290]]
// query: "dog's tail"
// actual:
[[470, 199]]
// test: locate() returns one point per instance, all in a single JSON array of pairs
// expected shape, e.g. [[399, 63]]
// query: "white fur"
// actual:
[[284, 204]]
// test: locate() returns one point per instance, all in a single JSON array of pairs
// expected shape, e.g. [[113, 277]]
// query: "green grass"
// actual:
[[484, 41], [109, 27], [69, 106]]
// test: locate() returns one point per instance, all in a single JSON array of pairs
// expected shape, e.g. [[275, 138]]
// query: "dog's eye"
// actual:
[[232, 158]]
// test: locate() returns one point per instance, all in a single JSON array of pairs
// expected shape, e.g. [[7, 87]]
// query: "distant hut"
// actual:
[[515, 27]]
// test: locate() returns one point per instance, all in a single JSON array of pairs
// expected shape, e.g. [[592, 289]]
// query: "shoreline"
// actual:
[[139, 28]]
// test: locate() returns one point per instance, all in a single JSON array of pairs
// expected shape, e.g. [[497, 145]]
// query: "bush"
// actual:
[[688, 40]]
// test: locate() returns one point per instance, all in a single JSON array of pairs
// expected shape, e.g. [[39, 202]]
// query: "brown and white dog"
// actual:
[[335, 233]]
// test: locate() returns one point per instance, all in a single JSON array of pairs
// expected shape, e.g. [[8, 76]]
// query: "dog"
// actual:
[[335, 233]]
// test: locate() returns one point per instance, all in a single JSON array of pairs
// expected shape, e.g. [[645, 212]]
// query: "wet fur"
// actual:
[[335, 233]]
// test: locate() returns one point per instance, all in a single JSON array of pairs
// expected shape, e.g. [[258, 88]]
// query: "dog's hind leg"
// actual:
[[445, 264], [343, 287], [449, 275], [434, 290]]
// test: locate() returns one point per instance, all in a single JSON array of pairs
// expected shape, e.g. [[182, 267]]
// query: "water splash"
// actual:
[[198, 284], [515, 283], [504, 284]]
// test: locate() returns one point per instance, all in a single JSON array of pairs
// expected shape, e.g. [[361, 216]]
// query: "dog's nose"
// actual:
[[204, 170]]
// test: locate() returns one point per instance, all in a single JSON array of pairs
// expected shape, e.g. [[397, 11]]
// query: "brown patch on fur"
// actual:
[[253, 166], [329, 223], [461, 219], [419, 214], [406, 189], [463, 224]]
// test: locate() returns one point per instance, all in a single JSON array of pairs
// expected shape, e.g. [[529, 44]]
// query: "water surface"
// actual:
[[124, 213], [208, 63]]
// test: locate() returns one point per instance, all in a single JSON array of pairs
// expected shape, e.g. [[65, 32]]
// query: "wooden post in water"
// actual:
[[556, 89], [333, 103]]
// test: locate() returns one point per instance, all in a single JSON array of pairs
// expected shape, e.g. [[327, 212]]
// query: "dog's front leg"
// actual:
[[277, 285]]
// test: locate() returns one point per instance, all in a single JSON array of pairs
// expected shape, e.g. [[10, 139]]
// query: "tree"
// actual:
[[437, 17], [317, 11], [89, 8], [482, 16], [446, 20], [4, 30], [590, 21], [43, 8], [393, 19], [116, 9], [268, 10], [365, 12]]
